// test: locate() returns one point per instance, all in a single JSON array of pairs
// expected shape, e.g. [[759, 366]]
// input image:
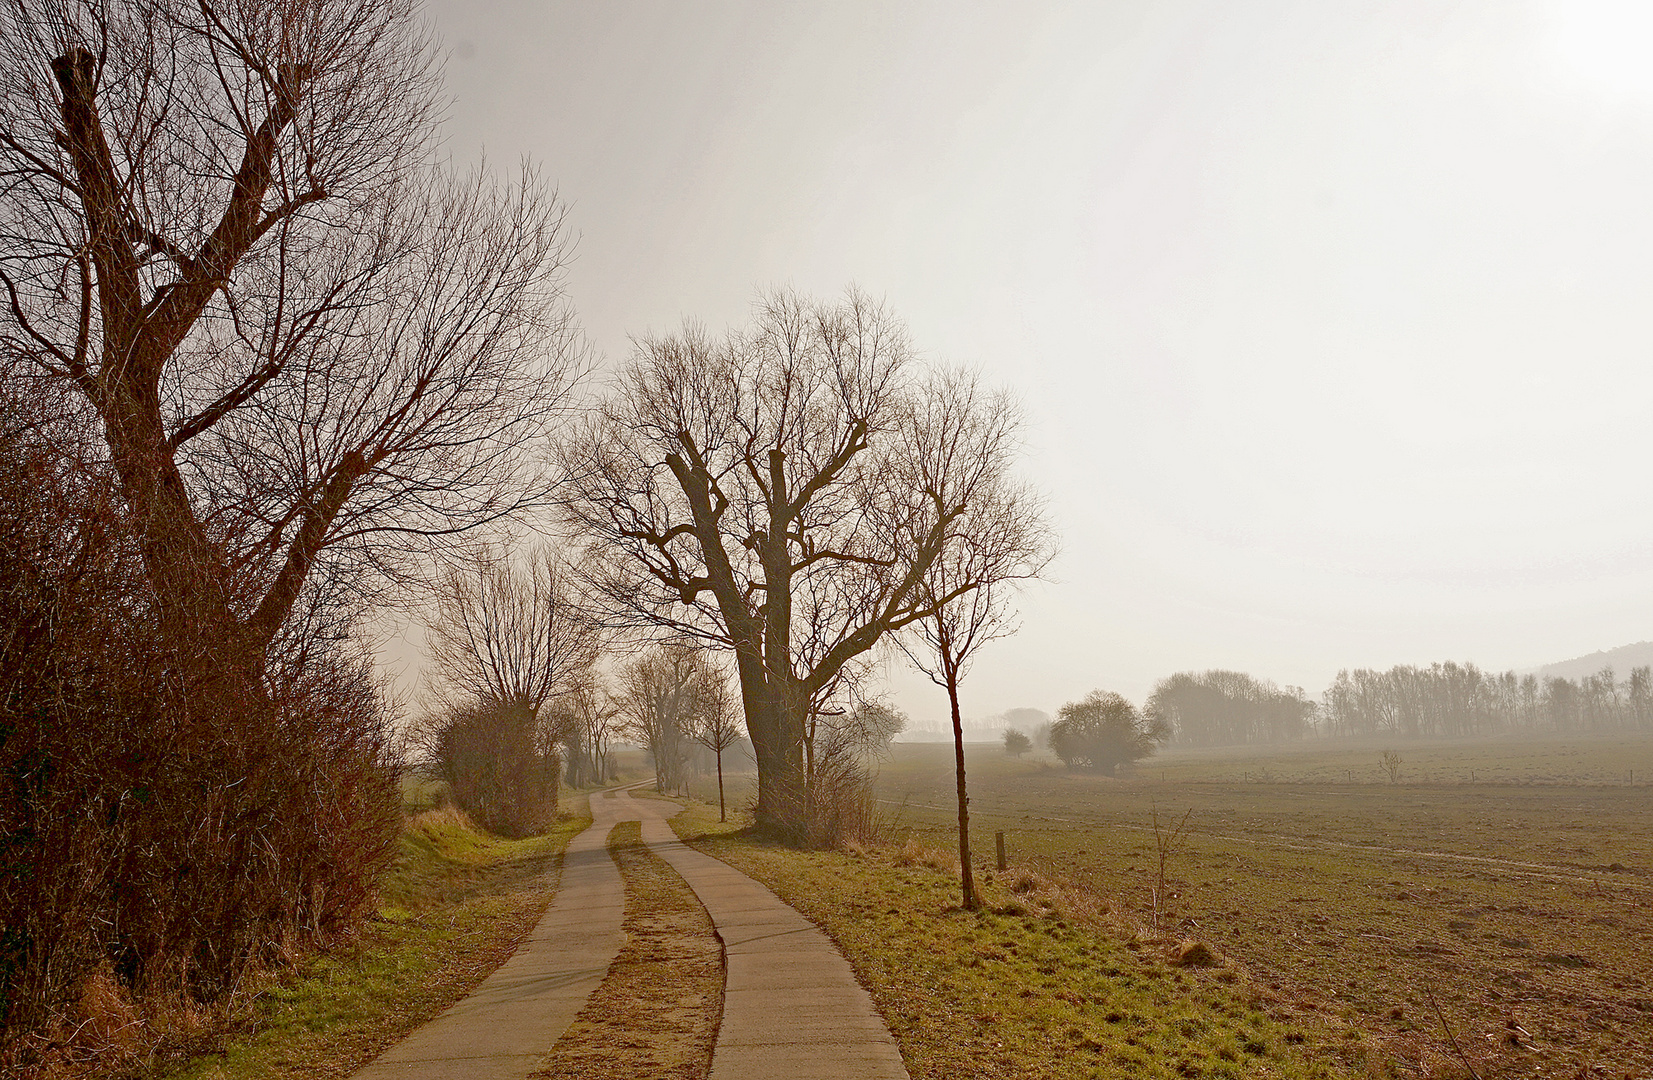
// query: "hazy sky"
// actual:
[[1331, 318]]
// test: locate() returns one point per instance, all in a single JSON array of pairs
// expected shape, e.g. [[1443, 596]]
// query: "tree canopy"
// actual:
[[1103, 731]]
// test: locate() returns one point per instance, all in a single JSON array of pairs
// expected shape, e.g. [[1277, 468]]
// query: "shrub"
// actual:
[[159, 839], [842, 806], [499, 764], [1103, 731], [1016, 743]]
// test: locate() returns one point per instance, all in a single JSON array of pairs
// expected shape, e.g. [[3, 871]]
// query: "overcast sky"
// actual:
[[1331, 319]]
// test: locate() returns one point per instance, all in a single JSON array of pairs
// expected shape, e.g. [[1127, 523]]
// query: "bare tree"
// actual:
[[507, 635], [510, 630], [308, 350], [971, 435], [665, 694], [1639, 695], [588, 718], [747, 491], [717, 727]]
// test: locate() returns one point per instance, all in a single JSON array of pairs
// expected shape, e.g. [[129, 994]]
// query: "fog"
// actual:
[[1329, 318]]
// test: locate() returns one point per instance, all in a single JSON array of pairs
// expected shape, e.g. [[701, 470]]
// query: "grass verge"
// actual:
[[1037, 984], [656, 1012], [453, 908]]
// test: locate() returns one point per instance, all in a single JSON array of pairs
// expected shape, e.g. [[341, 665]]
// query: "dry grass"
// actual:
[[657, 1011]]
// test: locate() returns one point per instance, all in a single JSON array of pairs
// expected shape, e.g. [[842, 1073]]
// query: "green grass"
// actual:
[[453, 908], [1039, 984]]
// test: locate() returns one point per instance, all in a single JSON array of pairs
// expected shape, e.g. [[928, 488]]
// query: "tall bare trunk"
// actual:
[[722, 814], [968, 883]]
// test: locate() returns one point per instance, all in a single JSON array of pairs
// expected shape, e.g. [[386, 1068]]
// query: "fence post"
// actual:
[[998, 838]]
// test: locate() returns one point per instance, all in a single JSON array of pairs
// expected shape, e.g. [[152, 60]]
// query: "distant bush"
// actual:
[[1016, 743], [1103, 731], [500, 763]]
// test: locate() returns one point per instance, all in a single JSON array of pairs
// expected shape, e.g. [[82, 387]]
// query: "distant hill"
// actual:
[[1621, 660]]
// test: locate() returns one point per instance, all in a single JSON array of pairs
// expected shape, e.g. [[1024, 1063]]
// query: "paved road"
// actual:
[[792, 1007], [510, 1022]]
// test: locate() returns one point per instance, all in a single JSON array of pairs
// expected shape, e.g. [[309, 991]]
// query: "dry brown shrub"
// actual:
[[843, 808], [440, 819], [498, 763], [913, 853], [160, 840]]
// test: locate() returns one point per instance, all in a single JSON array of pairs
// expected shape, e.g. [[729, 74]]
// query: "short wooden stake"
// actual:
[[998, 838]]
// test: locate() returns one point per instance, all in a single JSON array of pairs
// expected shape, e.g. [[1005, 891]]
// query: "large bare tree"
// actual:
[[309, 349], [970, 434], [750, 491]]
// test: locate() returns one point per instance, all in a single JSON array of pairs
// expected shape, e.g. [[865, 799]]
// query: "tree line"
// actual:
[[1453, 700], [1443, 700]]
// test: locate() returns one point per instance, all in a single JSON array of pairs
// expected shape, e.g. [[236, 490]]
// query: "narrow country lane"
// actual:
[[792, 1006]]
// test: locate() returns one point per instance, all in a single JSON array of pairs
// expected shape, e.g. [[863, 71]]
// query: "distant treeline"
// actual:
[[1460, 699], [1225, 708]]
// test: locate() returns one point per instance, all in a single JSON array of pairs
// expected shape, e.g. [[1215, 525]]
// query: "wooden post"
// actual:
[[998, 838]]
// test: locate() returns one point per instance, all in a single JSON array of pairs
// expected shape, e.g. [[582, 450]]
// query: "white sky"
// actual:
[[1331, 318]]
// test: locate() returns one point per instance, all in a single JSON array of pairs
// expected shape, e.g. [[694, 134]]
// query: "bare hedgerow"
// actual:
[[500, 762], [157, 848], [288, 356]]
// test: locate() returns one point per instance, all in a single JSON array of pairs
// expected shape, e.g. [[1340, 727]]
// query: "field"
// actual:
[[1518, 902]]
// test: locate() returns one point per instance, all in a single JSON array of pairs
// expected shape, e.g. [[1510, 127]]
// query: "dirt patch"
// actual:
[[657, 1011]]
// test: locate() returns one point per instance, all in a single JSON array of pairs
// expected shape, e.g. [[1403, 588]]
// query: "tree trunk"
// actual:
[[968, 883], [777, 743], [722, 815]]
